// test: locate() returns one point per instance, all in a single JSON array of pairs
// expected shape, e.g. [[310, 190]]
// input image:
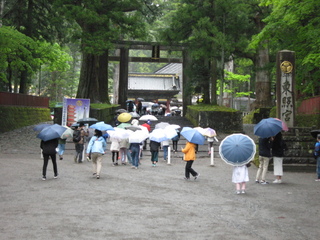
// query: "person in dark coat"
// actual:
[[278, 148], [154, 149], [265, 145], [49, 150]]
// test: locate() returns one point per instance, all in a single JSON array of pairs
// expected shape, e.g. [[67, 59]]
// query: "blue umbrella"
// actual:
[[268, 127], [192, 135], [39, 127], [237, 149], [51, 132], [102, 126], [158, 135]]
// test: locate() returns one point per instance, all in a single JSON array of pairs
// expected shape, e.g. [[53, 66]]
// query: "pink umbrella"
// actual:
[[284, 125]]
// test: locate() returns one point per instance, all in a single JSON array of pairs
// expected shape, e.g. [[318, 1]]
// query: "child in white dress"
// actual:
[[240, 176]]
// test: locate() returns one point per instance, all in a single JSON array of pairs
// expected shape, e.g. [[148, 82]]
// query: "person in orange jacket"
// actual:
[[189, 156]]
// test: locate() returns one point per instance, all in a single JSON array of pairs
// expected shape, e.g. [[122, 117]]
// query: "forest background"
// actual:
[[60, 48]]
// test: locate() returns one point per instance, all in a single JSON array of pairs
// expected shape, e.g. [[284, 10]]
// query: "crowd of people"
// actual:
[[125, 152]]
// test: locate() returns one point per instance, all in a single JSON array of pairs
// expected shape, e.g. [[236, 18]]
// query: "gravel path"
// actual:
[[148, 203]]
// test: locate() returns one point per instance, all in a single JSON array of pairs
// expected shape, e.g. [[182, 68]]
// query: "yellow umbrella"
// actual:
[[124, 117]]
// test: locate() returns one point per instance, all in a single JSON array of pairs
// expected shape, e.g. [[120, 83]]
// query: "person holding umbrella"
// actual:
[[97, 147], [278, 148], [79, 144], [189, 156], [49, 150], [154, 149], [265, 145]]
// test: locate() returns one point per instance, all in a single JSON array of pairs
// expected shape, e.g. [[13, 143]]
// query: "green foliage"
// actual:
[[17, 117], [295, 25]]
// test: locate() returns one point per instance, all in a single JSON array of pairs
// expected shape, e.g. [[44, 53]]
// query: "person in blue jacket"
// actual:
[[317, 156], [97, 147]]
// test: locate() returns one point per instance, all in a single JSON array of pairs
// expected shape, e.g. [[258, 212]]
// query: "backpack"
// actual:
[[76, 137]]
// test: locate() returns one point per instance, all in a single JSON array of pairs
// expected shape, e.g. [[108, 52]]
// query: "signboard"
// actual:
[[74, 109], [285, 87]]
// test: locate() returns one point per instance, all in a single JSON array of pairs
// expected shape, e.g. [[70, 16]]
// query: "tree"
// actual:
[[295, 25], [102, 23], [36, 19]]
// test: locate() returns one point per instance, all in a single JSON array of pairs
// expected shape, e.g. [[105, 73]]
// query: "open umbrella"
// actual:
[[192, 135], [209, 132], [284, 125], [118, 133], [102, 126], [237, 149], [73, 125], [68, 133], [161, 125], [314, 133], [133, 128], [39, 127], [175, 126], [121, 110], [158, 135], [51, 132], [199, 129], [268, 127], [89, 120], [123, 125], [137, 137], [170, 132], [140, 99], [148, 117], [124, 117], [134, 115]]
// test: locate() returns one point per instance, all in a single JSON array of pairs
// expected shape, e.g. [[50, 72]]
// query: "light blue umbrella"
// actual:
[[51, 132], [158, 135], [192, 135], [102, 126], [237, 149], [268, 127]]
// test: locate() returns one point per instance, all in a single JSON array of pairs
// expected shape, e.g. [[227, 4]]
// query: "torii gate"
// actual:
[[124, 60]]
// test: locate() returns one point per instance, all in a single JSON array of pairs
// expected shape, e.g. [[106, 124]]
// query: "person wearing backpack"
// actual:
[[78, 139]]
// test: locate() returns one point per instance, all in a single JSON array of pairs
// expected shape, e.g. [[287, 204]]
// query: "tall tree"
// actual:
[[102, 23], [295, 25]]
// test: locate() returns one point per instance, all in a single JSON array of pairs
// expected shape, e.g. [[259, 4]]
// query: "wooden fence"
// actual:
[[309, 106], [17, 99]]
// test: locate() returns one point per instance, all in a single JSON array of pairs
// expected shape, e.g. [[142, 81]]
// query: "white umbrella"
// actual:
[[176, 126], [161, 125], [148, 117], [158, 135], [68, 133], [170, 132], [119, 133], [137, 137], [199, 129]]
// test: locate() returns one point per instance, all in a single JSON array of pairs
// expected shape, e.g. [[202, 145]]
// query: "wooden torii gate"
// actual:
[[124, 59]]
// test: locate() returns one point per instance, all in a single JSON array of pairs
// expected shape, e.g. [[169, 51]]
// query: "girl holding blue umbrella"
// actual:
[[189, 156]]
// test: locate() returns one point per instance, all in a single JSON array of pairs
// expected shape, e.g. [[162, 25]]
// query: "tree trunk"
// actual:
[[93, 82], [213, 78], [263, 84]]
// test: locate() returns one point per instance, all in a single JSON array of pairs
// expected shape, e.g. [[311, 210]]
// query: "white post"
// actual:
[[169, 156], [212, 156]]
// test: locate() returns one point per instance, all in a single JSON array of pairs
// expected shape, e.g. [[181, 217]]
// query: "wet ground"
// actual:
[[148, 203]]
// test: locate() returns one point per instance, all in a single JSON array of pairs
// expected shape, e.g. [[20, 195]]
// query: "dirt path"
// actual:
[[148, 203]]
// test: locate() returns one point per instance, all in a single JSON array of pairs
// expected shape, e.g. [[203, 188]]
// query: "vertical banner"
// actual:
[[74, 109], [286, 87]]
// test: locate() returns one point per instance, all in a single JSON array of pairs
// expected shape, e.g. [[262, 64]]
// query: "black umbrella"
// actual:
[[121, 110], [89, 120], [314, 133]]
